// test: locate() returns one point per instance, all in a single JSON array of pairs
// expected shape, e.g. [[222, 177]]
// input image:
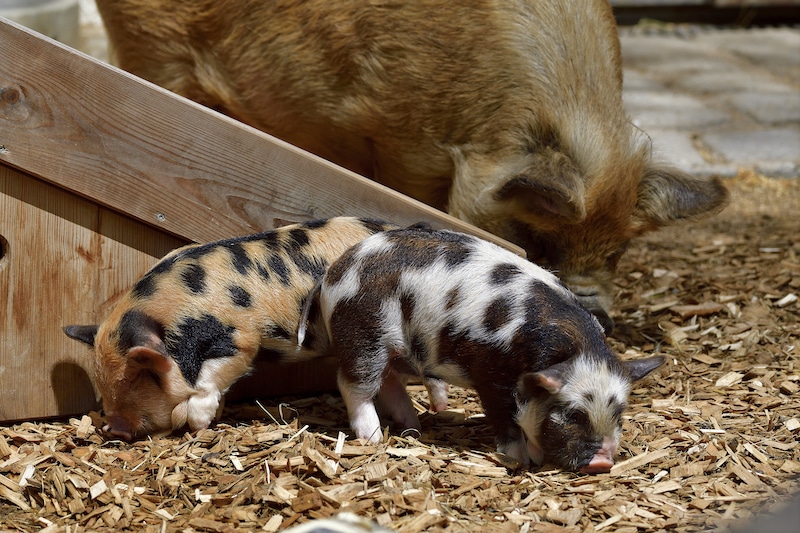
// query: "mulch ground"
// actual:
[[710, 441]]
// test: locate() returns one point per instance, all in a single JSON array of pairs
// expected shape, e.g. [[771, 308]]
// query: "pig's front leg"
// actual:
[[202, 408], [360, 409], [499, 406]]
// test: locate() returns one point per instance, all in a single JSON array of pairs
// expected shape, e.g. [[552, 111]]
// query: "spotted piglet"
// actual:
[[447, 306], [195, 322]]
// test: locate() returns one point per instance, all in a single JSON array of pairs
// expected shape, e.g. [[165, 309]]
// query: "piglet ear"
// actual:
[[639, 368], [549, 380], [85, 334], [146, 358]]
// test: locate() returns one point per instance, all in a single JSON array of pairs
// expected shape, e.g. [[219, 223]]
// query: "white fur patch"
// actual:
[[363, 416], [593, 388]]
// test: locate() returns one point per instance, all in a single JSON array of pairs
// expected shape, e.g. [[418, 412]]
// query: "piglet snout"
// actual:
[[603, 460], [119, 427]]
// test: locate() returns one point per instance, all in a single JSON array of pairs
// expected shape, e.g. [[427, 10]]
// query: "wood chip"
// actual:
[[638, 461], [731, 378], [704, 309], [708, 441]]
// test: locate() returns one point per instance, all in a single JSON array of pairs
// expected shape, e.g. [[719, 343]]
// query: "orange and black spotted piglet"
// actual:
[[452, 308], [195, 322]]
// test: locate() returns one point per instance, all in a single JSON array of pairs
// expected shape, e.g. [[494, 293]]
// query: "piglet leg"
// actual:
[[361, 409], [396, 404], [437, 394]]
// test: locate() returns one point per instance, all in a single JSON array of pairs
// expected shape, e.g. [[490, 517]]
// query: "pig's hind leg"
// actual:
[[437, 394], [395, 402], [359, 378]]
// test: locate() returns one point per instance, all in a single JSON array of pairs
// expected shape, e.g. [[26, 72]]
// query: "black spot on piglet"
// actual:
[[241, 261], [194, 277], [138, 329], [279, 268], [498, 313], [503, 273], [197, 340], [144, 287], [240, 297]]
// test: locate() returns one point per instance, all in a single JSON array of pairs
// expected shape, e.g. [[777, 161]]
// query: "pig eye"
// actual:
[[579, 417]]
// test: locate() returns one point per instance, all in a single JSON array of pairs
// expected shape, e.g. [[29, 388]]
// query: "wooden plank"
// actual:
[[139, 149], [64, 260]]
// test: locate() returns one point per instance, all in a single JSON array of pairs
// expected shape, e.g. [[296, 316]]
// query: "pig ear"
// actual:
[[549, 380], [668, 195], [145, 358], [139, 329], [551, 183], [639, 368], [84, 334]]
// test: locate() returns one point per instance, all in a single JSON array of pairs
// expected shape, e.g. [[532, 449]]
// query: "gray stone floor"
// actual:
[[717, 101]]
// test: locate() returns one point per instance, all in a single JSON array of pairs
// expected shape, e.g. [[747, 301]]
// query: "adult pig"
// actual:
[[508, 114]]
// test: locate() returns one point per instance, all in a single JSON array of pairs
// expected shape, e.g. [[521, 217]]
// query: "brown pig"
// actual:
[[508, 114]]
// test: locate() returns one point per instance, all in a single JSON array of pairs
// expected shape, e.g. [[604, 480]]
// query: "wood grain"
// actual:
[[65, 260], [141, 150]]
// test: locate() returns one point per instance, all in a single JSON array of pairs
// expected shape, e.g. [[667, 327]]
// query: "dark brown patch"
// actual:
[[497, 314], [503, 273], [407, 302], [453, 297], [340, 267], [355, 335]]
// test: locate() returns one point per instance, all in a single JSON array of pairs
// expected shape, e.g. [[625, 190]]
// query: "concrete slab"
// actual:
[[633, 80], [677, 148], [774, 152], [769, 107], [728, 81], [665, 110]]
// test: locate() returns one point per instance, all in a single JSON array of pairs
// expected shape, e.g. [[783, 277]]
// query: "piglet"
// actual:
[[195, 322], [449, 307]]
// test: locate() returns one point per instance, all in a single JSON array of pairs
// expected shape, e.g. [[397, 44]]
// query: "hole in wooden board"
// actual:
[[3, 249]]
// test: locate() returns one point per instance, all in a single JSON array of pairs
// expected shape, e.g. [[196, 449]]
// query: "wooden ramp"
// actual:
[[102, 173]]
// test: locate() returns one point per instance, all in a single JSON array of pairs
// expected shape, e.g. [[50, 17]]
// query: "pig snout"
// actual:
[[119, 427], [603, 459]]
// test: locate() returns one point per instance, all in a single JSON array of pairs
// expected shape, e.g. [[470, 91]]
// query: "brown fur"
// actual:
[[508, 113]]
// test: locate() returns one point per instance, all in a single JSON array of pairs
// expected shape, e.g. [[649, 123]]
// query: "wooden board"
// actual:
[[64, 260], [130, 145]]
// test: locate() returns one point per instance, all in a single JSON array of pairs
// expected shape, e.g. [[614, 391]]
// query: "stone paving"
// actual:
[[716, 101]]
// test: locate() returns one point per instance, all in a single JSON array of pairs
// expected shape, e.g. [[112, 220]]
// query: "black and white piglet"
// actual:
[[450, 307]]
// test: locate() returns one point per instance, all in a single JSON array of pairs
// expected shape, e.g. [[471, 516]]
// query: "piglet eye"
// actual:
[[580, 418]]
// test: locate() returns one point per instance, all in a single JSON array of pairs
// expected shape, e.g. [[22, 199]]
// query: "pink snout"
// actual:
[[119, 427], [603, 460]]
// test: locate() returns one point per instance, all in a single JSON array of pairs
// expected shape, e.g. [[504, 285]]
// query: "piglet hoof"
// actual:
[[411, 433]]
